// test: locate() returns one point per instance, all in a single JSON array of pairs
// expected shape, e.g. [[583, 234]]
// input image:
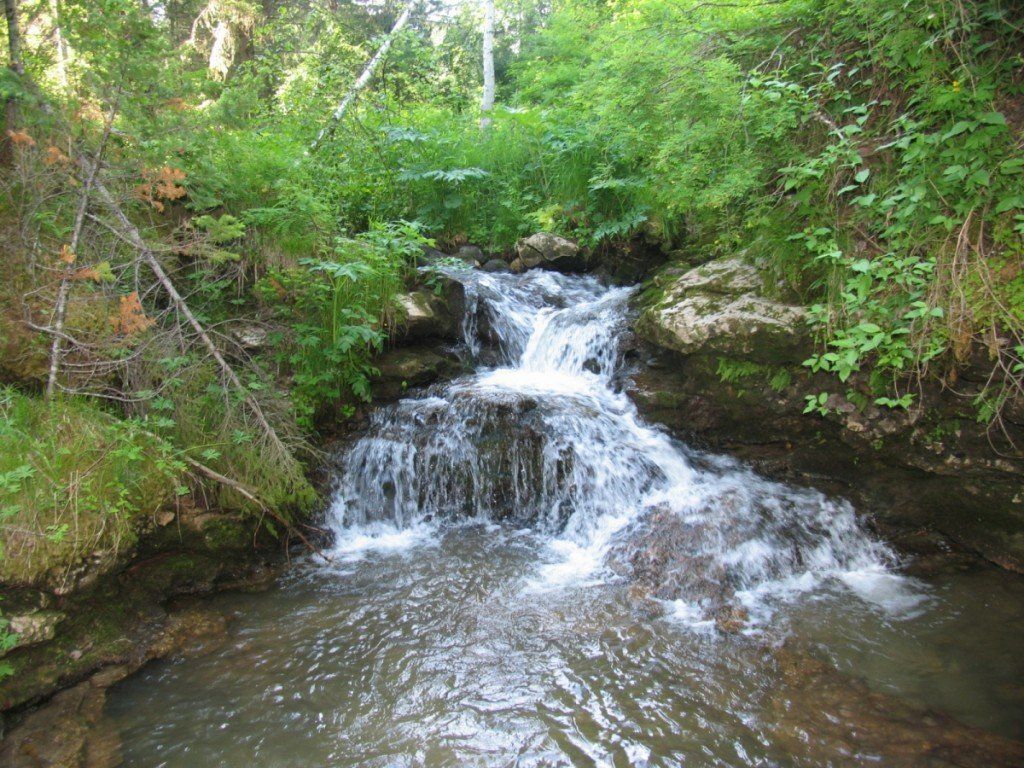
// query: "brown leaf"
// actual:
[[131, 318], [21, 139], [66, 254]]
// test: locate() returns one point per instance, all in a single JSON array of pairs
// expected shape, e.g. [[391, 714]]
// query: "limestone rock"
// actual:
[[549, 251], [720, 308]]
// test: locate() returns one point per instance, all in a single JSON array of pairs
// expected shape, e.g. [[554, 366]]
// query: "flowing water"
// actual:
[[471, 611]]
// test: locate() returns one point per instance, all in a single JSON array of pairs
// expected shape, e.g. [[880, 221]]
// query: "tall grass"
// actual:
[[74, 484]]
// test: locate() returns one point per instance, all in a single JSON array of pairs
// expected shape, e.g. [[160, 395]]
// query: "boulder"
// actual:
[[721, 308], [548, 251], [250, 337], [426, 315], [495, 265], [404, 368]]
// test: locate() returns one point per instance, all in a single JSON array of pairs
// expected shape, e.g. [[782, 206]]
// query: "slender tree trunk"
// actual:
[[65, 281], [12, 115], [364, 78], [61, 45], [487, 103]]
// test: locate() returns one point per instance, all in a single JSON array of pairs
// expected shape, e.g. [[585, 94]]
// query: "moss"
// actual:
[[223, 532]]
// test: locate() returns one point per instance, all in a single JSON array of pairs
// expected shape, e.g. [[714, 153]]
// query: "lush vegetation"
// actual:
[[867, 153]]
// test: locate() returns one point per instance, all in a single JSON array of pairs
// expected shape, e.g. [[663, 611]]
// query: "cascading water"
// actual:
[[548, 439], [512, 641]]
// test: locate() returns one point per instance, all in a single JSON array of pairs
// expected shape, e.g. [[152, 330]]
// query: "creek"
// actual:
[[497, 594]]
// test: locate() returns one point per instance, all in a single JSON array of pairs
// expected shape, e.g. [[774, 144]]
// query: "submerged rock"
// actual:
[[548, 251]]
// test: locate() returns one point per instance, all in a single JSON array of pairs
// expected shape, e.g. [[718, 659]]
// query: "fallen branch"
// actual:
[[248, 494], [133, 236]]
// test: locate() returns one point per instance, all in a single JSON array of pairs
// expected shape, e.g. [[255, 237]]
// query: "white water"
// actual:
[[547, 439]]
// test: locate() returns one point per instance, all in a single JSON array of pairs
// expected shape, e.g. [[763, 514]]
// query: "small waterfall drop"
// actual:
[[547, 439]]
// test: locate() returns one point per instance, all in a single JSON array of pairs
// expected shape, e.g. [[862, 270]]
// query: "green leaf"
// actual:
[[959, 128], [1009, 203], [862, 175], [992, 118]]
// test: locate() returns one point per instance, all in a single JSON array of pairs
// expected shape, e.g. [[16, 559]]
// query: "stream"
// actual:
[[482, 602]]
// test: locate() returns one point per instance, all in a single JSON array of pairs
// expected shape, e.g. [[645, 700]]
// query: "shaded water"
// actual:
[[466, 614]]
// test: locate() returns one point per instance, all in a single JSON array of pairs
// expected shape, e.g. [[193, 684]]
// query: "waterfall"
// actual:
[[546, 438]]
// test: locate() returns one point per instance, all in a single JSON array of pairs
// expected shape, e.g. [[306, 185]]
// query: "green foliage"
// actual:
[[73, 482], [339, 310]]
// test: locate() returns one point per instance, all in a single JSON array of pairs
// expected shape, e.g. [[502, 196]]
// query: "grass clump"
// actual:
[[73, 484]]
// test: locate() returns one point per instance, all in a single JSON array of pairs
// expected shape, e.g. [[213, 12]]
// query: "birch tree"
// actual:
[[364, 78], [487, 102]]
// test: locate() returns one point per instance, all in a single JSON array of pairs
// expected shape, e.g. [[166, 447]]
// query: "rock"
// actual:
[[847, 718], [68, 732], [495, 265], [35, 627], [470, 254], [517, 266], [720, 367], [731, 619], [426, 315], [720, 308], [250, 337], [194, 631], [663, 555], [404, 368], [549, 251], [430, 256]]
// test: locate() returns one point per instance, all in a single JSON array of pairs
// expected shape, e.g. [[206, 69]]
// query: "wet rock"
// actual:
[[191, 632], [850, 724], [549, 251], [516, 266], [664, 555], [35, 627], [401, 369], [731, 619], [495, 265], [721, 307], [425, 315], [724, 373], [68, 732], [430, 256], [470, 254]]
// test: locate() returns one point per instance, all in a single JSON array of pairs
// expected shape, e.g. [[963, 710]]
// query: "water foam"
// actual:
[[548, 439]]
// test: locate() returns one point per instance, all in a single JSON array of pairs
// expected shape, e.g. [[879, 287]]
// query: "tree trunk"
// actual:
[[61, 45], [364, 78], [12, 115], [487, 103]]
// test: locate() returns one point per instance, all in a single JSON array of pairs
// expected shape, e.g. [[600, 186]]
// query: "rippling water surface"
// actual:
[[467, 613]]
